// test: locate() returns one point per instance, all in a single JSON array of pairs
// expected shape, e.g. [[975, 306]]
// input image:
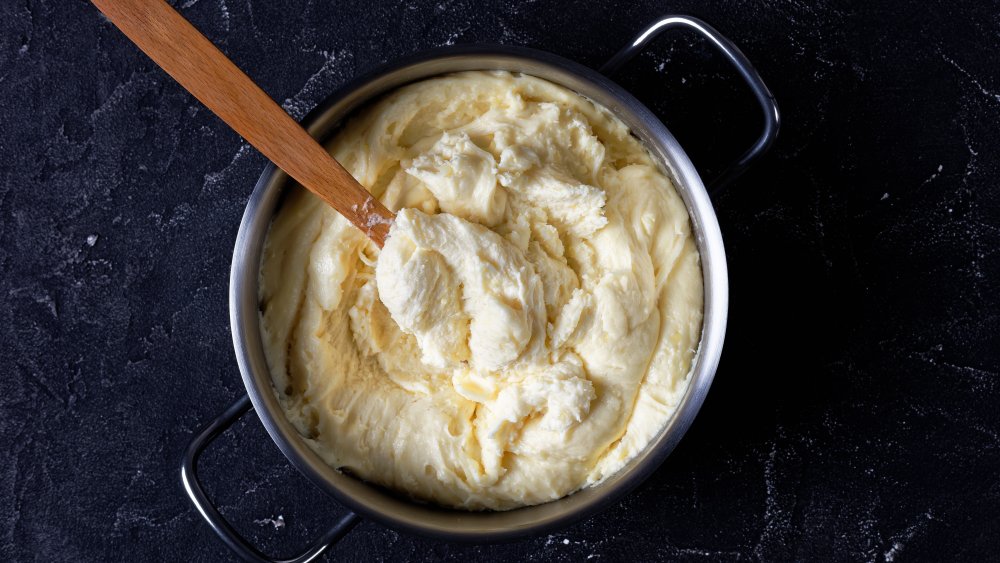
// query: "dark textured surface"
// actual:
[[855, 414]]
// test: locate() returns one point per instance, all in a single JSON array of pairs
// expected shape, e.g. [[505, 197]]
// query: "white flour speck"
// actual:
[[933, 176]]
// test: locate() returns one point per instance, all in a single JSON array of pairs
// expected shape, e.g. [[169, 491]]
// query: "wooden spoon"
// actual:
[[188, 56]]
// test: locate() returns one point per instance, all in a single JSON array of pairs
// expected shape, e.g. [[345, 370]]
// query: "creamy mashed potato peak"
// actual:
[[529, 325]]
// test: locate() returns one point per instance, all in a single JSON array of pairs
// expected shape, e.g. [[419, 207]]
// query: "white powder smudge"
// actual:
[[933, 176], [899, 542], [278, 522], [224, 12]]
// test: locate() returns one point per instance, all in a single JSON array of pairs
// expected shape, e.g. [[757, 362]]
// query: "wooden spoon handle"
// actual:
[[188, 56]]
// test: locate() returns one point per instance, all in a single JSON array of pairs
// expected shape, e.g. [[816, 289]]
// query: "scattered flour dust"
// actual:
[[551, 541], [899, 540], [278, 522]]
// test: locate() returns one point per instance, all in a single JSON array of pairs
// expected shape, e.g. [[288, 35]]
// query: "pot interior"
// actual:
[[429, 520]]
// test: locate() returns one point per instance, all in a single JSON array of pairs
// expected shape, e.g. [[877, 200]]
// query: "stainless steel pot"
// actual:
[[390, 509]]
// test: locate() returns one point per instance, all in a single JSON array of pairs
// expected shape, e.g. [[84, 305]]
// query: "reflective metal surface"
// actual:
[[769, 107], [222, 528]]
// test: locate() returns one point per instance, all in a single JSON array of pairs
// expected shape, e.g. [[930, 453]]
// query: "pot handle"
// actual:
[[189, 478], [772, 119]]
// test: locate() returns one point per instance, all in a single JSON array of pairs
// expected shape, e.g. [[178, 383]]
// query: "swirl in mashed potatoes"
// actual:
[[531, 322]]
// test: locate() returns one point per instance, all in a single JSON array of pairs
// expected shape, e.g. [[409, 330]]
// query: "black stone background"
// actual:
[[855, 412]]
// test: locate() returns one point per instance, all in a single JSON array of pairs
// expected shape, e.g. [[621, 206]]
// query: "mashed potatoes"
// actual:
[[529, 325]]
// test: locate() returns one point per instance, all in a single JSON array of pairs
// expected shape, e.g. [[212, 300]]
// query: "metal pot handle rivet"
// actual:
[[189, 478], [739, 61]]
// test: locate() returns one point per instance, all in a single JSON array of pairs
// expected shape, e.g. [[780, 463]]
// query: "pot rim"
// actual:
[[451, 524]]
